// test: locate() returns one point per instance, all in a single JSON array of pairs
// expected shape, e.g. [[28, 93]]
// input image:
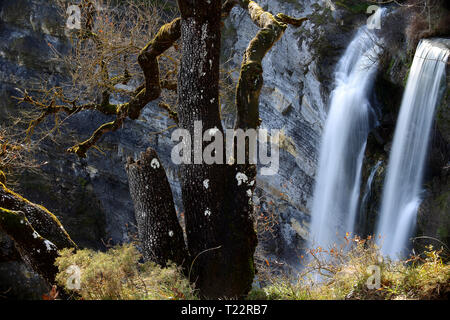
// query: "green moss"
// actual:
[[118, 274]]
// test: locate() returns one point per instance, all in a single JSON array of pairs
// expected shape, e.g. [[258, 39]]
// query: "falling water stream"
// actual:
[[335, 201], [403, 184]]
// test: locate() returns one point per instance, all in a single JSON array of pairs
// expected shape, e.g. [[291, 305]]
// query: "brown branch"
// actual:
[[81, 148], [148, 61], [251, 79], [149, 91]]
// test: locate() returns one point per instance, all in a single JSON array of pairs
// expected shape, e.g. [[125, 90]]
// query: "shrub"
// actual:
[[342, 272], [118, 274]]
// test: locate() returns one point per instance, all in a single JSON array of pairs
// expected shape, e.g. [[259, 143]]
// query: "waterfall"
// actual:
[[336, 193], [402, 187]]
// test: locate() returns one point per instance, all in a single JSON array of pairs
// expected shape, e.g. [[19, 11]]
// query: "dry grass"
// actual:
[[118, 275], [343, 272]]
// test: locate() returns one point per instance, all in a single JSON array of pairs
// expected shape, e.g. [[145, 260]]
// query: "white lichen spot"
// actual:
[[212, 100], [207, 212], [251, 183], [206, 183], [49, 245], [35, 235], [241, 177], [249, 193], [170, 233], [155, 163]]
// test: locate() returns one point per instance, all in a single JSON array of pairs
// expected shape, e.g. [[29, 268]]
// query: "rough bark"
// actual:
[[38, 252], [159, 230], [217, 238], [36, 232], [42, 220]]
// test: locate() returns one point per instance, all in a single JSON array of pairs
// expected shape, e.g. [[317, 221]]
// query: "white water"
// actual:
[[403, 184], [343, 143]]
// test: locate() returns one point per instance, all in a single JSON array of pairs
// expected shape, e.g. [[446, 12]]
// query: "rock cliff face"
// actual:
[[91, 196]]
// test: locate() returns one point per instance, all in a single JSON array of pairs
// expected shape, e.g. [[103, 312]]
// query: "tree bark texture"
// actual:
[[159, 230]]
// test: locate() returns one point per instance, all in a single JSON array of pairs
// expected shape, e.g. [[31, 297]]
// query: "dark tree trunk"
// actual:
[[219, 227], [159, 230]]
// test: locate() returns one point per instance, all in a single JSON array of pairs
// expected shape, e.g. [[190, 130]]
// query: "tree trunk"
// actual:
[[220, 233], [159, 230]]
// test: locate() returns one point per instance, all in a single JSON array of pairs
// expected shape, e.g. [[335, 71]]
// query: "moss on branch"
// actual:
[[42, 220], [251, 79], [37, 251]]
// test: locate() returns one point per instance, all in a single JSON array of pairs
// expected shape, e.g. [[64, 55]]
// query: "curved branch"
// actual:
[[37, 233], [251, 79], [151, 90]]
